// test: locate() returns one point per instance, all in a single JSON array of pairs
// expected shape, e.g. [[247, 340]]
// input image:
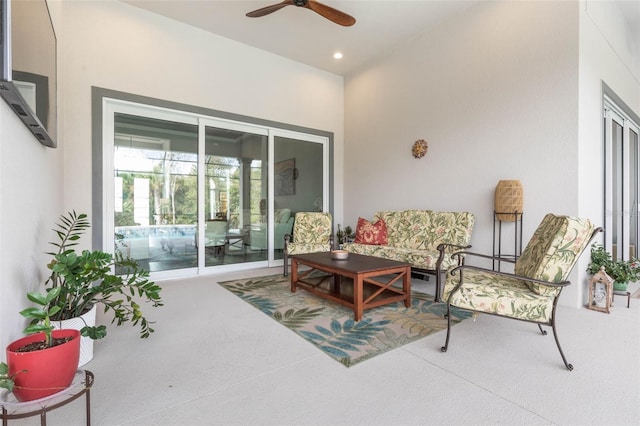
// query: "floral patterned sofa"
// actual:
[[413, 236], [532, 291]]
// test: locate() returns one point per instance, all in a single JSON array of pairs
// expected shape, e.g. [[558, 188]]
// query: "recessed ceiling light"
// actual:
[[337, 55]]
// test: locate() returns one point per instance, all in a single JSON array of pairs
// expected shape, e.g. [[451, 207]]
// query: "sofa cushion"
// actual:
[[421, 259], [371, 233], [553, 250], [303, 248]]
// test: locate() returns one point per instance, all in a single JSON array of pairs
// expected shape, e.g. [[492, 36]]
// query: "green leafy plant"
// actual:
[[348, 232], [344, 235], [41, 316], [89, 278], [340, 235], [6, 381], [622, 271]]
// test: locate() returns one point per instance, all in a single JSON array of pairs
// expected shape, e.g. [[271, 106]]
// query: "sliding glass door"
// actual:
[[187, 193]]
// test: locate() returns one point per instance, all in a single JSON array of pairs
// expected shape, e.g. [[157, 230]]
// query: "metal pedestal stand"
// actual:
[[497, 238], [13, 409]]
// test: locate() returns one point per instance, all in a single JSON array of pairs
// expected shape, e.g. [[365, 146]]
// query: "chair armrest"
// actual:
[[464, 253], [445, 248]]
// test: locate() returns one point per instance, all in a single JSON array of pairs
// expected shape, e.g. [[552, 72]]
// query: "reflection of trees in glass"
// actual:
[[173, 189], [125, 217], [224, 173], [256, 191], [172, 193]]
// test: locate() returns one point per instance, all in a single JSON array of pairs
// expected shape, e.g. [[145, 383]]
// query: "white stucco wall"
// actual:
[[494, 91], [116, 46]]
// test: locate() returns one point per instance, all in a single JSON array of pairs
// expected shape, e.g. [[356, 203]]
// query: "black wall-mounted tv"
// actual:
[[28, 80]]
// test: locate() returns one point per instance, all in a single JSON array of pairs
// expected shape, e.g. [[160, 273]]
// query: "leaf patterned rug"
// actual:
[[331, 328]]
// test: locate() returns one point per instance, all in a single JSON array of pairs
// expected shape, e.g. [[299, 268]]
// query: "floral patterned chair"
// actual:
[[532, 291], [312, 232]]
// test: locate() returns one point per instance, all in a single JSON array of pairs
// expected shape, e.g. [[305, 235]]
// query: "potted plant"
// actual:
[[622, 271], [6, 381], [340, 236], [45, 361], [91, 278], [348, 234]]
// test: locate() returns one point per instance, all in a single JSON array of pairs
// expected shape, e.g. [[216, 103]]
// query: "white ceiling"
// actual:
[[304, 36]]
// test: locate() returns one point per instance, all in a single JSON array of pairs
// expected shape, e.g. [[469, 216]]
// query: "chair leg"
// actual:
[[555, 335], [446, 343], [438, 278], [286, 263], [544, 332]]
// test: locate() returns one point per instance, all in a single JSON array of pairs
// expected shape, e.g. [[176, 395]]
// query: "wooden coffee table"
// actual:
[[359, 282]]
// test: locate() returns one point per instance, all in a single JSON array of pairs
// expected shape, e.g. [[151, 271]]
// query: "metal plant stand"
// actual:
[[13, 409], [497, 237]]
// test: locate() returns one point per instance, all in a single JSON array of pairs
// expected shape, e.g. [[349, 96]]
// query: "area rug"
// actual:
[[331, 327]]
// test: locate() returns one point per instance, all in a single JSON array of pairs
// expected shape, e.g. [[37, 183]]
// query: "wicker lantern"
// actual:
[[508, 200]]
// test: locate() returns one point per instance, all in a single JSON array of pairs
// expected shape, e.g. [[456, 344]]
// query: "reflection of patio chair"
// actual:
[[283, 223], [312, 233], [215, 235], [531, 293]]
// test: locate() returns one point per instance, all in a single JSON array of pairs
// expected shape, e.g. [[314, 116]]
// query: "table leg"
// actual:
[[336, 283], [406, 287], [357, 297], [294, 274]]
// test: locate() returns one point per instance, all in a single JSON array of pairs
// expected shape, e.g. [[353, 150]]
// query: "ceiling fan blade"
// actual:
[[269, 9], [331, 14]]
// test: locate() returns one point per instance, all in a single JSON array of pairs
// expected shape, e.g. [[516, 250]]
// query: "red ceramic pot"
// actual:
[[48, 371]]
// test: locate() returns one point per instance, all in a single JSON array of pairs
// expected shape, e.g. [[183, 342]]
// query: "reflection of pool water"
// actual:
[[141, 239], [159, 231]]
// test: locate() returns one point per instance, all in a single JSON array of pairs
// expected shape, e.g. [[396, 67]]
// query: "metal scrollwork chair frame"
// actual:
[[467, 275]]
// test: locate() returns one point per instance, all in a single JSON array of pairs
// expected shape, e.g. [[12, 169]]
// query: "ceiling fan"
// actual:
[[330, 13]]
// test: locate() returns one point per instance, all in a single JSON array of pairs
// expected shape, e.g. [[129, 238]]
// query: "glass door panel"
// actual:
[[235, 182], [298, 184], [617, 189], [155, 172]]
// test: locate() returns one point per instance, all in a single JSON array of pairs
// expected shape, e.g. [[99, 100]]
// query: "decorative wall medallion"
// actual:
[[420, 148]]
